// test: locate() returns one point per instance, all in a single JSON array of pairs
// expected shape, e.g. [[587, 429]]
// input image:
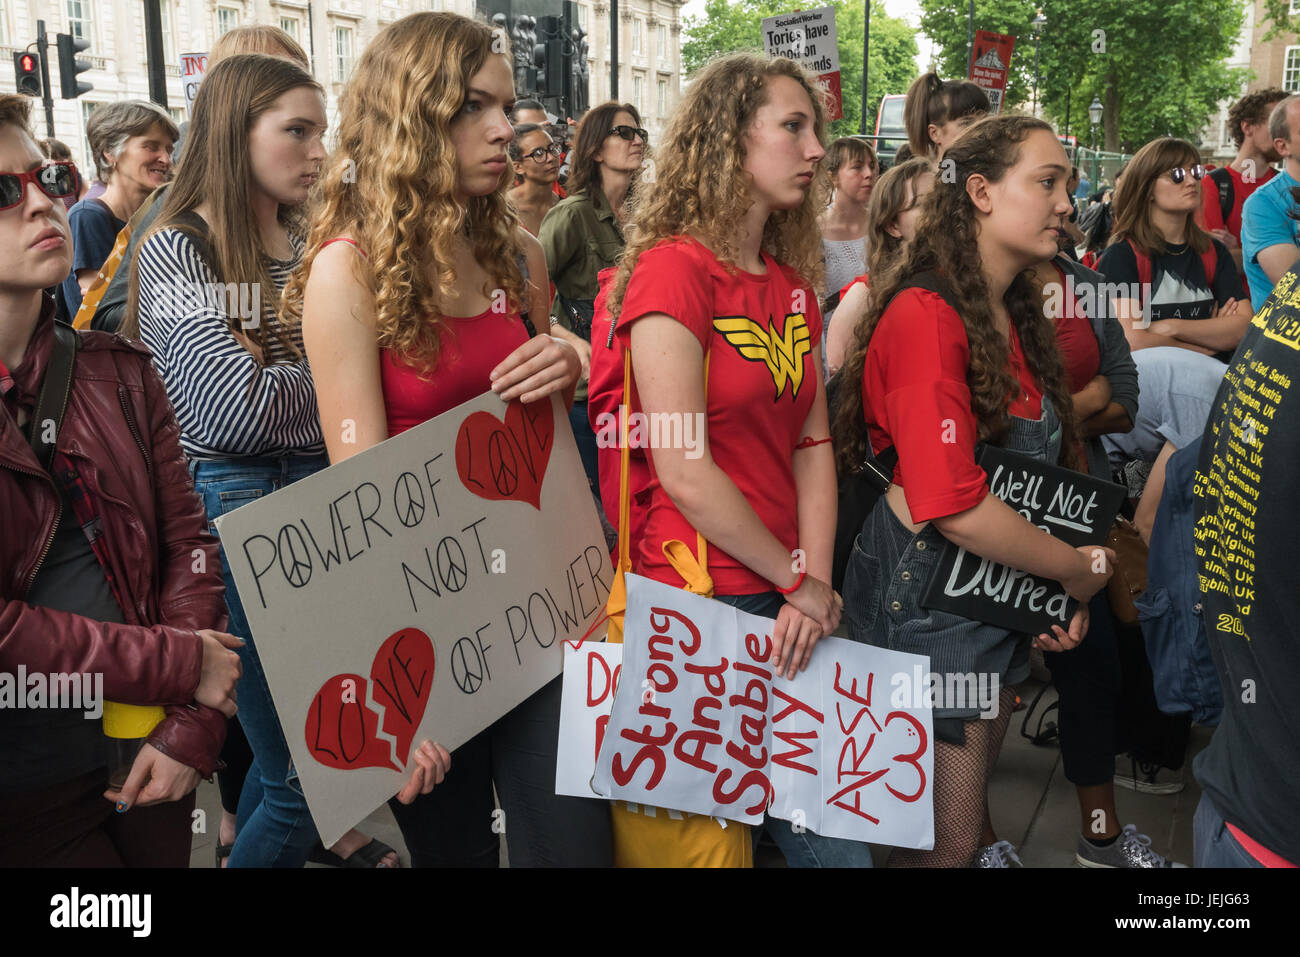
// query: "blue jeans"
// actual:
[[1213, 843], [801, 848], [274, 827]]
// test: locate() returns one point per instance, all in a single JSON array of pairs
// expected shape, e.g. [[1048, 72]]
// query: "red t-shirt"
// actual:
[[472, 346], [915, 398], [1240, 193], [762, 334]]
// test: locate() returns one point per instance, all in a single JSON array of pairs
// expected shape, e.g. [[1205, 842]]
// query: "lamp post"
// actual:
[[1039, 22], [1094, 117]]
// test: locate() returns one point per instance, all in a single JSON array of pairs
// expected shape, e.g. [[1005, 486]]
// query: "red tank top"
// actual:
[[471, 347]]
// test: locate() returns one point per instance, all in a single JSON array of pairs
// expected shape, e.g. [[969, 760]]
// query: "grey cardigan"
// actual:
[[1116, 360]]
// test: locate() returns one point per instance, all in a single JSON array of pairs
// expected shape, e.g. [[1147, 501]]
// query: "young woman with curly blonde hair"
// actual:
[[412, 245], [725, 255]]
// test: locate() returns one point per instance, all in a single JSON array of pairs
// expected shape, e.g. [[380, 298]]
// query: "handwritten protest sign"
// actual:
[[808, 37], [991, 64], [193, 66], [420, 589], [699, 723], [1070, 505], [591, 673]]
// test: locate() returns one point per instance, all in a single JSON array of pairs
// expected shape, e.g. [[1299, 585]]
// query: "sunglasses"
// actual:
[[630, 132], [1178, 174], [539, 155], [55, 180]]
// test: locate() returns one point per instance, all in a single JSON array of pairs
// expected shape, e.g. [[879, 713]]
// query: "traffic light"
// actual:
[[70, 66], [27, 69]]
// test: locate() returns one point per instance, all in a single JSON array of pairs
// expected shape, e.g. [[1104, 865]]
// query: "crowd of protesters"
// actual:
[[934, 325]]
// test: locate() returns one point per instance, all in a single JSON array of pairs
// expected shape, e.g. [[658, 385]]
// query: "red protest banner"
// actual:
[[991, 64]]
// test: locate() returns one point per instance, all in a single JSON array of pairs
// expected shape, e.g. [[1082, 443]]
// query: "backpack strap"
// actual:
[[1227, 192], [56, 386], [1143, 264], [1210, 260]]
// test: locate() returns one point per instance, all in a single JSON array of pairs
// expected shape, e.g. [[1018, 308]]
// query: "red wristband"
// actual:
[[795, 587]]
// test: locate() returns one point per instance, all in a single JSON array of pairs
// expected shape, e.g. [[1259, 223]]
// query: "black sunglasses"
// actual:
[[1178, 174], [56, 180], [629, 132], [539, 155]]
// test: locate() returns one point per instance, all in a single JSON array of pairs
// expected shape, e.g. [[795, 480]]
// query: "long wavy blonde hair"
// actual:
[[391, 182], [701, 187]]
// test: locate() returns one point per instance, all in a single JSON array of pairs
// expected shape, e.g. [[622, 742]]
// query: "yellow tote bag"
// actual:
[[648, 836]]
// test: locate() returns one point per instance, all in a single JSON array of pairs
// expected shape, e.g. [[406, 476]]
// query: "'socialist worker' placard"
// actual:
[[808, 38], [420, 589], [1066, 504]]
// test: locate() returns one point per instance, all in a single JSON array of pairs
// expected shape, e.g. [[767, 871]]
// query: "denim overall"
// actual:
[[887, 576]]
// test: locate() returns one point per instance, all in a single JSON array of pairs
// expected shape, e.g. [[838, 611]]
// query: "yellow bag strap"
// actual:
[[617, 603], [90, 301], [694, 569]]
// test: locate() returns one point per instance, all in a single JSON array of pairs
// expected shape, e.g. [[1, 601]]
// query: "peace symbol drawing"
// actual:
[[507, 460]]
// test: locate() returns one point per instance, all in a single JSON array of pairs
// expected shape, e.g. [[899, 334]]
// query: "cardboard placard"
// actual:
[[808, 37], [700, 724], [420, 589], [193, 66], [1069, 505], [991, 65]]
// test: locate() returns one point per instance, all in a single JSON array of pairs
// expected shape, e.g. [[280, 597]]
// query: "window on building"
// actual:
[[342, 54], [4, 22], [638, 28], [227, 19], [290, 26], [661, 42], [582, 16], [661, 104], [1291, 70], [638, 88], [79, 24]]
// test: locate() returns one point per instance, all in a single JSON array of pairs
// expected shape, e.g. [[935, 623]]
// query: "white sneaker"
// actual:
[[1001, 854], [1147, 777]]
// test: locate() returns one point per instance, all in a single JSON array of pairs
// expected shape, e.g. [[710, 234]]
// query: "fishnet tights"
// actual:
[[961, 776]]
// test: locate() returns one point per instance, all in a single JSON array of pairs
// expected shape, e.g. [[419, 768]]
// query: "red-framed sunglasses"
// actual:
[[56, 180]]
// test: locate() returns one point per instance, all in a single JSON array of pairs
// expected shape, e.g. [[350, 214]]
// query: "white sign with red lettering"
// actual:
[[699, 723], [193, 66]]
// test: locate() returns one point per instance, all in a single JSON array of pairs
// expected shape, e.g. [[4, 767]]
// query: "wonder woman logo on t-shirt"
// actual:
[[781, 353]]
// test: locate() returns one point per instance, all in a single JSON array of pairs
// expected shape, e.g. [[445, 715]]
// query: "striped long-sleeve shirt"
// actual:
[[227, 404]]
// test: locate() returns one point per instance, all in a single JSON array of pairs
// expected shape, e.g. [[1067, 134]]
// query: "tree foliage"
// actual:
[[1158, 66], [726, 27]]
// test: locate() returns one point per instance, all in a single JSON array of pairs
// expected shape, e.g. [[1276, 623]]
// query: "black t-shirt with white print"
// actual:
[[1179, 286]]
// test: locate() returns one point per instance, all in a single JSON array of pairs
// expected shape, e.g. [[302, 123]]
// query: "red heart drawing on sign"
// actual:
[[499, 461], [342, 727]]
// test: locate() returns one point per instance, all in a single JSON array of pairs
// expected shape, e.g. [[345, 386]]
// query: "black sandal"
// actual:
[[368, 856]]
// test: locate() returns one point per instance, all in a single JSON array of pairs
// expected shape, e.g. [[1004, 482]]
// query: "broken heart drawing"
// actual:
[[355, 723]]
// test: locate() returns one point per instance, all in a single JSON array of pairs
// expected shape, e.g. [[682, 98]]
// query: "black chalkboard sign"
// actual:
[[1068, 505]]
